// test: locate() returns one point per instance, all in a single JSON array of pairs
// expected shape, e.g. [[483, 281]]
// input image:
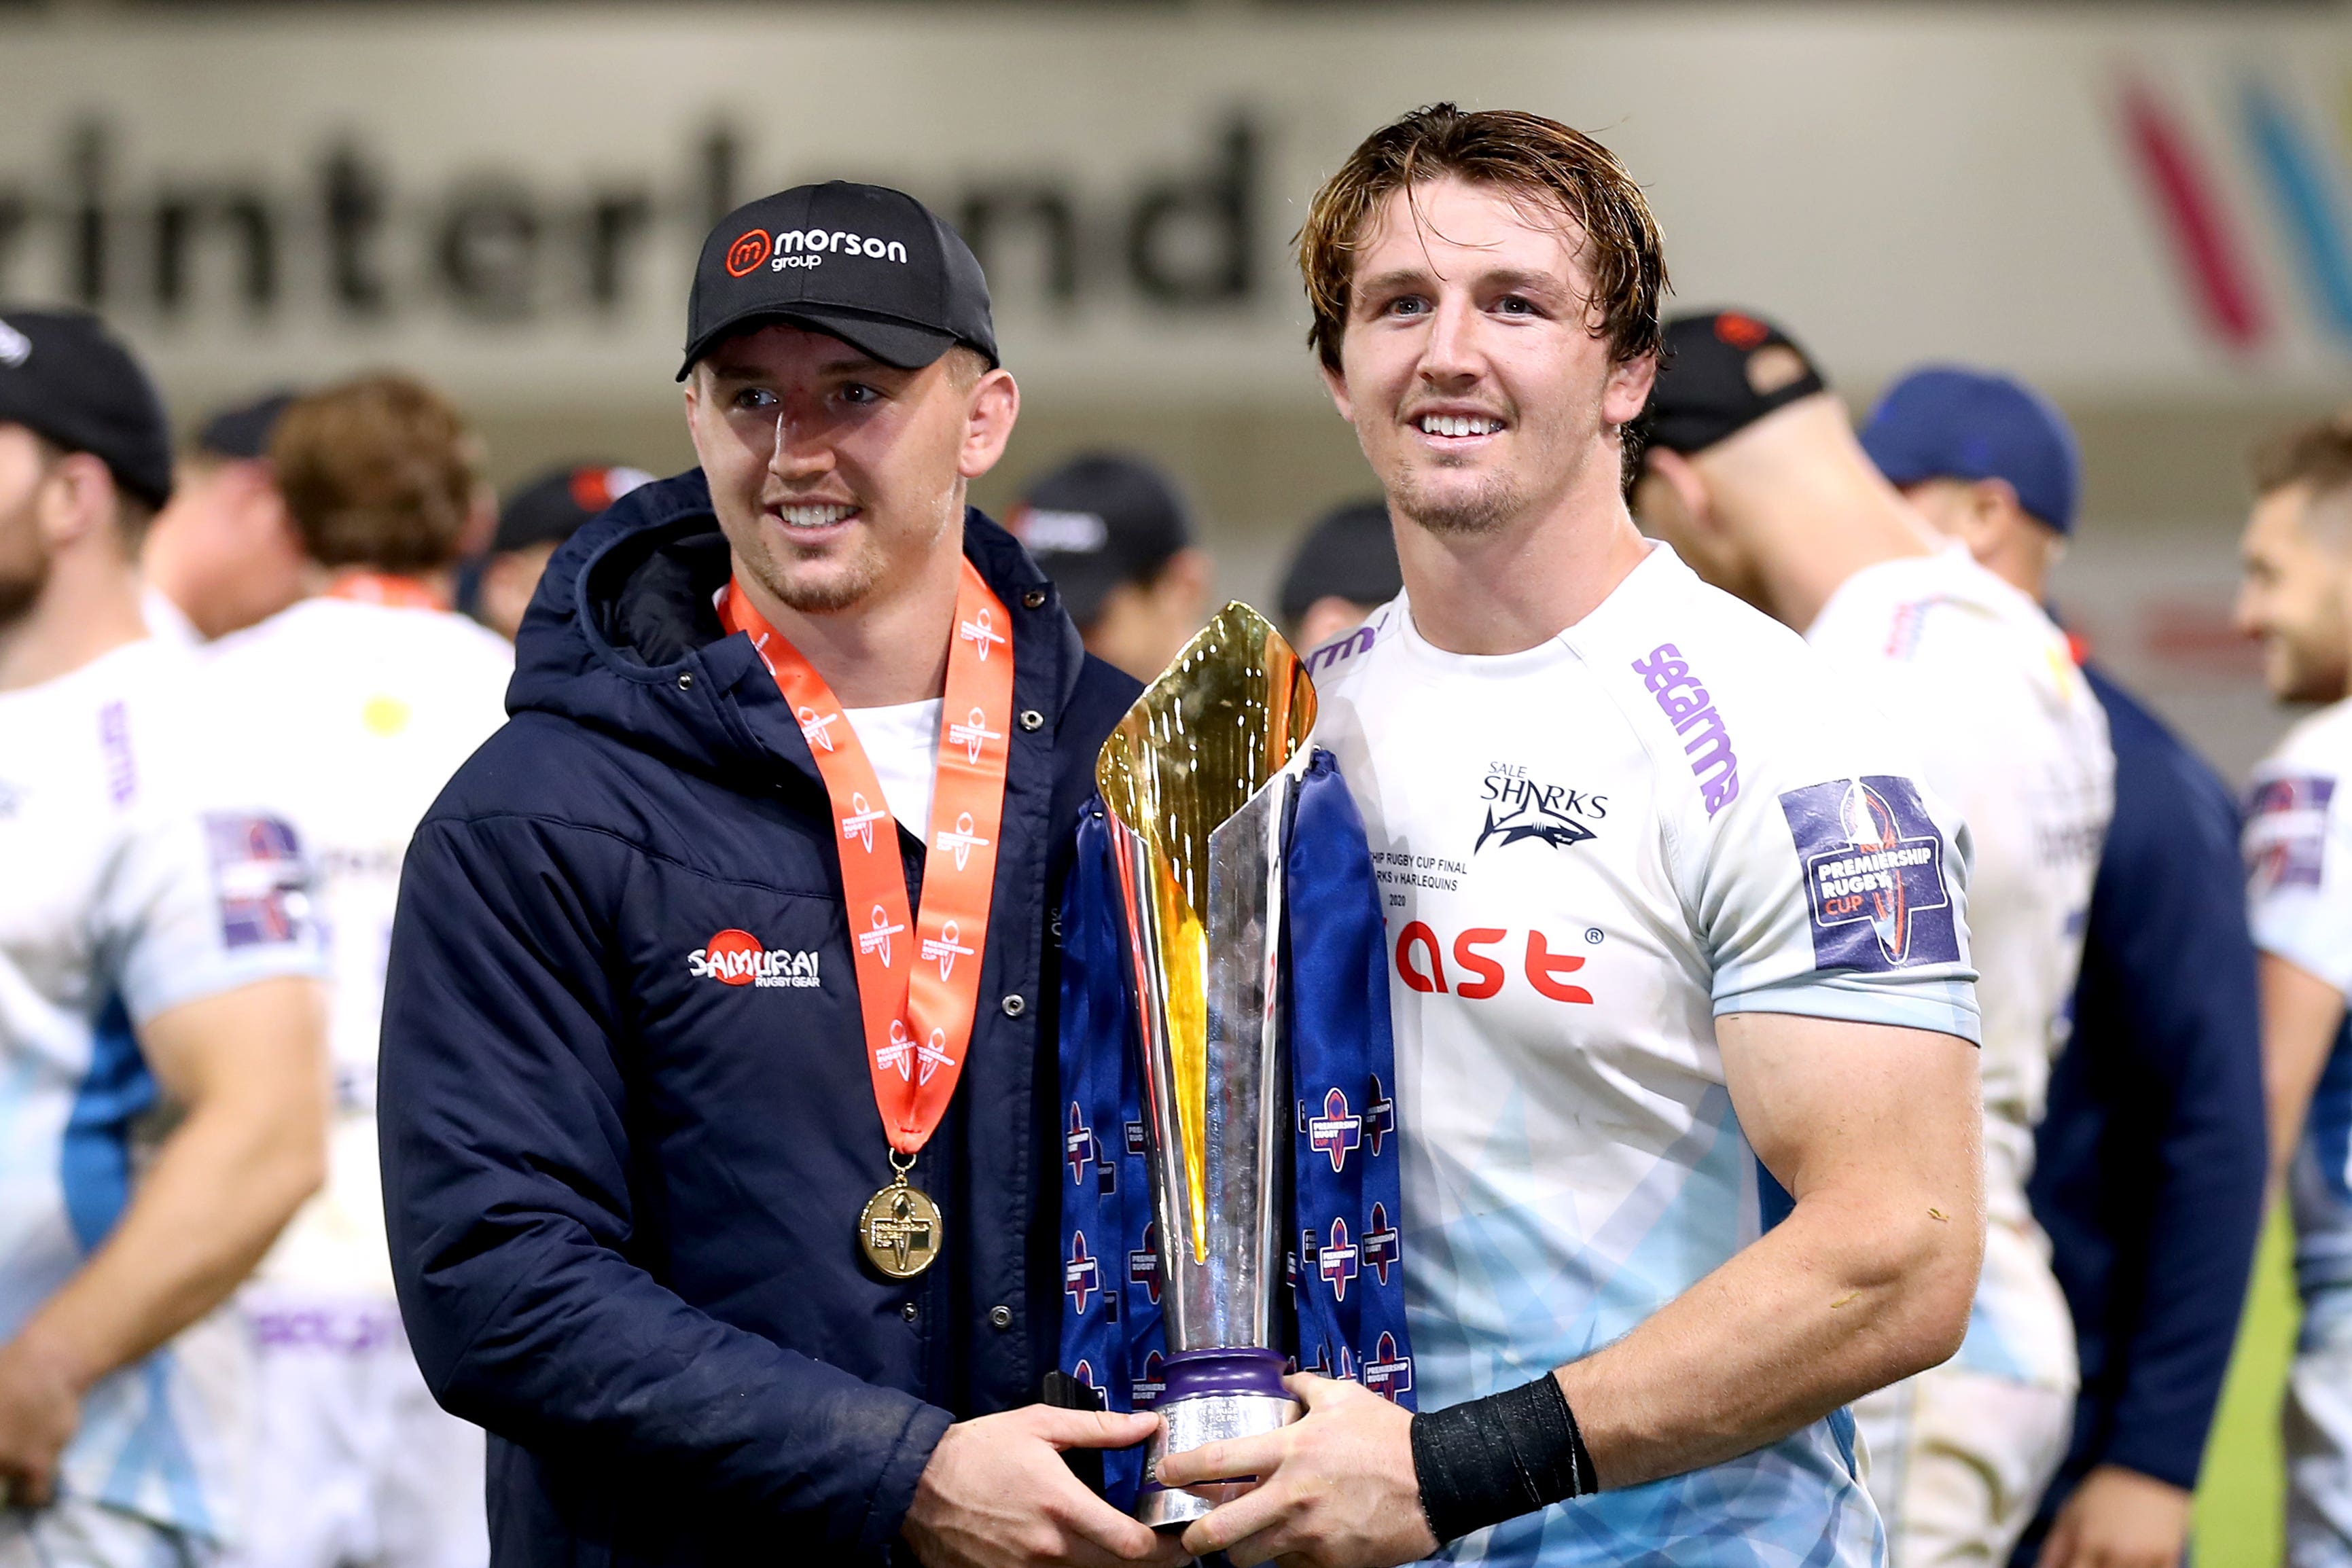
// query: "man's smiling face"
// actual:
[[832, 473], [1471, 364]]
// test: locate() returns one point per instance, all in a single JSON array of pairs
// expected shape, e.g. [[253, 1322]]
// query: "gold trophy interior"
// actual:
[[1221, 721]]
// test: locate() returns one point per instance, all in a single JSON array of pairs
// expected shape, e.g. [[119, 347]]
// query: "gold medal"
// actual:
[[899, 1227]]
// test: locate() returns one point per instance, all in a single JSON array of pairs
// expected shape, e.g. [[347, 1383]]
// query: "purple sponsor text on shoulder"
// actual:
[[1687, 707]]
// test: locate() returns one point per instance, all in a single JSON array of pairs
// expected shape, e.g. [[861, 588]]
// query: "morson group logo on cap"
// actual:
[[16, 348], [736, 958], [749, 251], [806, 247]]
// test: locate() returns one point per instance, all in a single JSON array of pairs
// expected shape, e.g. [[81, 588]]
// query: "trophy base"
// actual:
[[1212, 1396]]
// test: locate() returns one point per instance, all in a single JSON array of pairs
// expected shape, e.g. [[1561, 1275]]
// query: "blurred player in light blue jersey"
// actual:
[[160, 1020], [362, 700], [1754, 474], [2148, 1163], [1679, 945], [2298, 558]]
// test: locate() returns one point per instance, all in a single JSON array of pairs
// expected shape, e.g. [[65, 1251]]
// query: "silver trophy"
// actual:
[[1198, 780]]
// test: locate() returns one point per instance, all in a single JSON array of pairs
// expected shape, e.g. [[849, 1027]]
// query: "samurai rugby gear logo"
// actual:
[[1874, 874], [737, 958]]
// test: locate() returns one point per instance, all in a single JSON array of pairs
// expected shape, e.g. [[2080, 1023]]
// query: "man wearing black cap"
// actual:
[[715, 1074], [1755, 477], [1113, 534], [1343, 570], [537, 518], [160, 1021], [2149, 1164], [223, 555]]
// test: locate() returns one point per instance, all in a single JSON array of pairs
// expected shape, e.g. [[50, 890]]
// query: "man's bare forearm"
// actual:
[[1844, 1296], [250, 1147]]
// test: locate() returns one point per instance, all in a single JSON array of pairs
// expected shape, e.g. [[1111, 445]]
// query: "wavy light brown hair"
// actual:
[[1538, 160], [380, 472]]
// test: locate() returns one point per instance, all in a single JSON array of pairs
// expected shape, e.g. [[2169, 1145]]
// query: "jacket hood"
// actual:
[[623, 636]]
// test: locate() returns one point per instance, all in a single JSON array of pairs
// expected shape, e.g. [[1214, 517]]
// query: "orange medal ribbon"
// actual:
[[917, 992], [384, 588]]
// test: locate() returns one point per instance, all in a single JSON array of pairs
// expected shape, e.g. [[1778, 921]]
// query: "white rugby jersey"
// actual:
[[139, 877], [1587, 852], [2298, 846], [357, 714], [2012, 737]]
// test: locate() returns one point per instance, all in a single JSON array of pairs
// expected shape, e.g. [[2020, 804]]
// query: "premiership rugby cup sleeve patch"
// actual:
[[1878, 893], [212, 901], [2296, 855]]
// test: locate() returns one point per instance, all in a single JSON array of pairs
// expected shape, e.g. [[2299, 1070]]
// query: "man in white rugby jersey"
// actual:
[[1755, 476], [161, 1112], [2296, 598], [361, 700], [1679, 973]]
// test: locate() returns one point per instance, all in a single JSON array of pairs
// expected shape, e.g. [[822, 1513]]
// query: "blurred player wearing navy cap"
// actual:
[[2148, 1163], [2296, 597], [1754, 472], [224, 555], [539, 516], [1344, 568], [359, 700], [160, 1016], [1116, 537]]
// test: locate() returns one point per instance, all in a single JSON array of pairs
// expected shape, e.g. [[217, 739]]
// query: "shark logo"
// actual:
[[1519, 807]]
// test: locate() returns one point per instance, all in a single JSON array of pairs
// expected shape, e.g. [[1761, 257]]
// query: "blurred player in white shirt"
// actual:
[[362, 698], [1754, 475], [161, 1112], [1685, 1073], [223, 554], [2296, 597]]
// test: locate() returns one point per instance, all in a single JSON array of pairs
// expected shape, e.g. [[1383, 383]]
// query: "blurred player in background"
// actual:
[[1621, 991], [2297, 561], [1116, 539], [1343, 570], [224, 555], [535, 519], [2149, 1165], [361, 700], [1755, 477], [161, 1105]]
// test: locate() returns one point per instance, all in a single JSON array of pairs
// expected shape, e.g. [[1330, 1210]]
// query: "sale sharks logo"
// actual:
[[1520, 808]]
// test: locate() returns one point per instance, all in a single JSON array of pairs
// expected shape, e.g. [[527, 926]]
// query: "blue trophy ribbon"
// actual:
[[1345, 1226]]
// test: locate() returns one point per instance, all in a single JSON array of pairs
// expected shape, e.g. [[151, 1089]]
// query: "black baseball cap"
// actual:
[[1349, 554], [866, 264], [551, 507], [1720, 372], [242, 432], [1099, 521], [65, 378]]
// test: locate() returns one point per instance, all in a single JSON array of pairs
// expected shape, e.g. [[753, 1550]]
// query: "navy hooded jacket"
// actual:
[[623, 1195]]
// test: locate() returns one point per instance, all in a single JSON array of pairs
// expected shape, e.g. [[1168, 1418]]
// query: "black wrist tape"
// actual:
[[1498, 1458]]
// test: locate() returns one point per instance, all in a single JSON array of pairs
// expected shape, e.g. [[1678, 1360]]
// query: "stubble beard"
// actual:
[[23, 579], [840, 583], [1481, 510]]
